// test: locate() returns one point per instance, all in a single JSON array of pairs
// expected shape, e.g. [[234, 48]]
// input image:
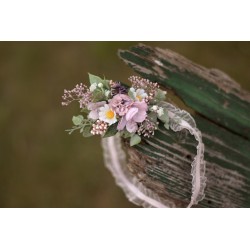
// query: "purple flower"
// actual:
[[136, 113], [120, 104], [94, 109], [118, 88]]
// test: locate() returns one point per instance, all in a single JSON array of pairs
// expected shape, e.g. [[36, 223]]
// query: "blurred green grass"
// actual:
[[40, 165]]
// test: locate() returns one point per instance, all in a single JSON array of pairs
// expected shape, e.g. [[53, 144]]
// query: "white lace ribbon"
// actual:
[[136, 192]]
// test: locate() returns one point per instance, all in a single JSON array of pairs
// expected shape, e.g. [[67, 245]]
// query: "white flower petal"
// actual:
[[92, 87], [103, 116], [140, 94]]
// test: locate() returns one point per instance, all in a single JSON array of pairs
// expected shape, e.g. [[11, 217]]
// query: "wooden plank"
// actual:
[[208, 91], [163, 163]]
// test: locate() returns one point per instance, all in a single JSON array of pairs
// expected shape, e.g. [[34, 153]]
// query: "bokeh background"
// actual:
[[40, 164]]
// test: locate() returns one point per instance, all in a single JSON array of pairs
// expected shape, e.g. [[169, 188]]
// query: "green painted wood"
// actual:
[[221, 112], [208, 91]]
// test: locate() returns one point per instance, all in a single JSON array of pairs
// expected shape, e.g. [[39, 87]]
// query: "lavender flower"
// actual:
[[80, 93], [117, 88], [94, 108], [136, 114], [120, 104]]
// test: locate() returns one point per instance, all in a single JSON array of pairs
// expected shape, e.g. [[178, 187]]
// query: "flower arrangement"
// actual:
[[110, 107]]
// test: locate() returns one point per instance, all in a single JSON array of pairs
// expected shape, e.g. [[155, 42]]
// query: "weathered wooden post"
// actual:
[[222, 112]]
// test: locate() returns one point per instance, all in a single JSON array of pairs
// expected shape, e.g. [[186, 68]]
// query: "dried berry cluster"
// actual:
[[99, 128]]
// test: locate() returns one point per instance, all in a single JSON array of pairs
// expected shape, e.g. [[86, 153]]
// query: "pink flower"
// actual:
[[120, 104], [136, 113], [94, 107]]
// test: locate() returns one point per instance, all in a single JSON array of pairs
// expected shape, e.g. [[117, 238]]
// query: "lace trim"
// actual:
[[135, 191]]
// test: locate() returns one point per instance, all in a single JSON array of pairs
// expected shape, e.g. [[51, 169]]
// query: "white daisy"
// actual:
[[106, 114], [139, 94]]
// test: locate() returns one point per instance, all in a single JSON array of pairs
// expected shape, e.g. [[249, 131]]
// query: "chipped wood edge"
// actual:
[[213, 75]]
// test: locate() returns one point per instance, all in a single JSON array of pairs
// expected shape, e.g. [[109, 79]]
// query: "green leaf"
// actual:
[[166, 125], [70, 131], [77, 120], [125, 134], [164, 118], [94, 79], [106, 84], [86, 131], [160, 95], [112, 130], [98, 95], [97, 79], [85, 110], [152, 116], [135, 139]]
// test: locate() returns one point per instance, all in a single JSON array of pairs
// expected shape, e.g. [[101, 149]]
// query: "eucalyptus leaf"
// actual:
[[111, 131], [164, 118], [135, 139], [160, 95], [77, 120]]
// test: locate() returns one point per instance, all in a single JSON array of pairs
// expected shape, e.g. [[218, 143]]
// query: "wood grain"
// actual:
[[221, 110], [209, 92]]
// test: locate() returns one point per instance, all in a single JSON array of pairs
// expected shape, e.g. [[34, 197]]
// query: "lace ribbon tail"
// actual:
[[136, 192]]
